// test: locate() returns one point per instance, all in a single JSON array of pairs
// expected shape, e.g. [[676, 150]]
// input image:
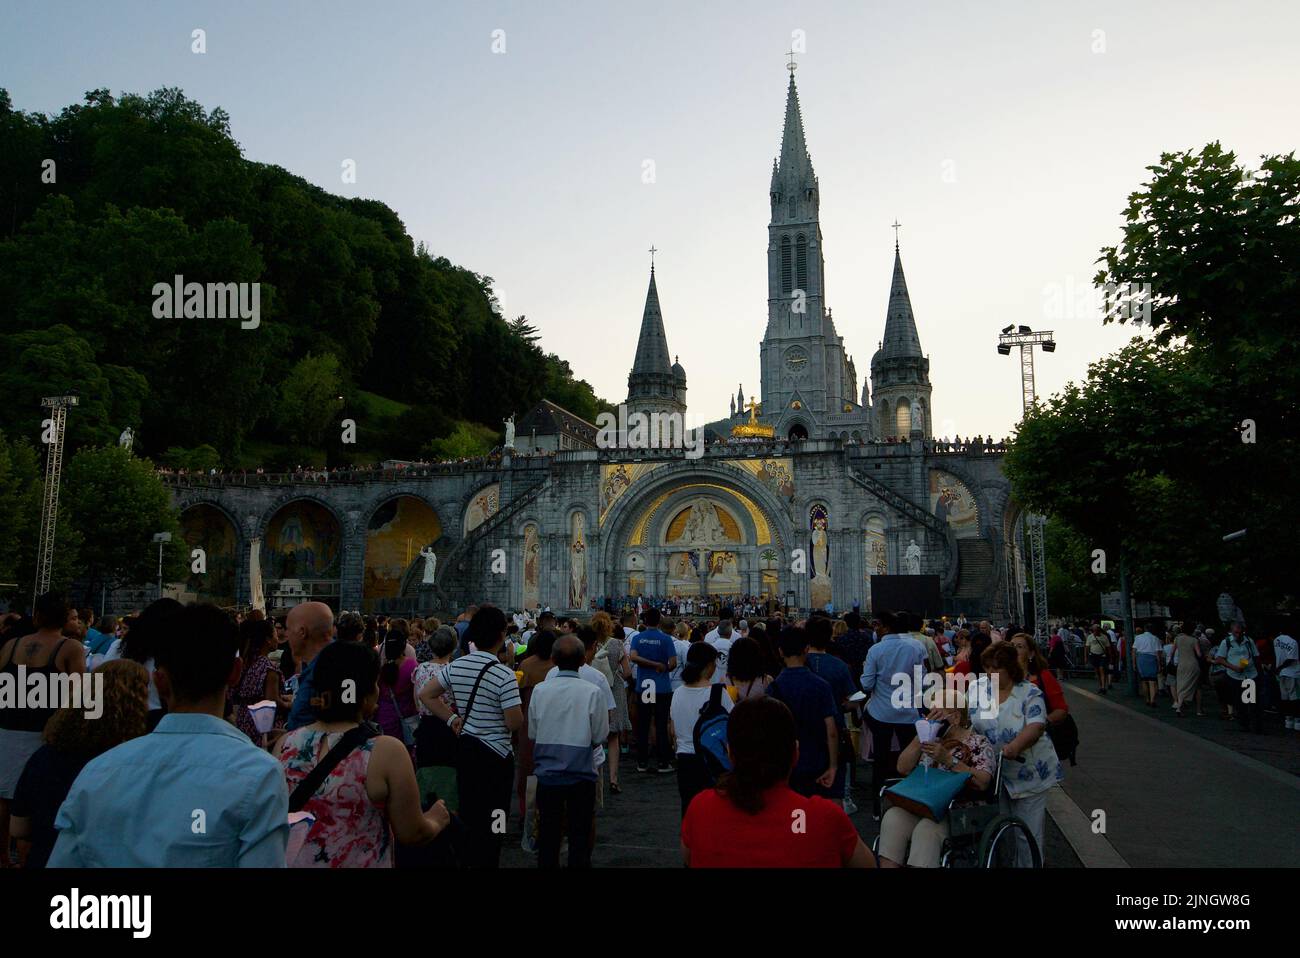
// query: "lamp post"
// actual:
[[1027, 339], [161, 538]]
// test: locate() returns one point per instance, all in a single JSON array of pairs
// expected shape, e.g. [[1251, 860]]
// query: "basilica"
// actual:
[[811, 493]]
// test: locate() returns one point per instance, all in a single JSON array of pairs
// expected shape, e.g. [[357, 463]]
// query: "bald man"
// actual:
[[309, 627]]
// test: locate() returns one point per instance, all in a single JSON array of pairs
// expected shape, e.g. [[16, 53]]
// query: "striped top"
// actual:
[[498, 691]]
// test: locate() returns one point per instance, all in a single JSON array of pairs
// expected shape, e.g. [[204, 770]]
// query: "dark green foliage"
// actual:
[[1147, 457], [147, 188]]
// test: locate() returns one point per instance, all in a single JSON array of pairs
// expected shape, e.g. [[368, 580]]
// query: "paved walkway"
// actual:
[[640, 827], [1175, 798]]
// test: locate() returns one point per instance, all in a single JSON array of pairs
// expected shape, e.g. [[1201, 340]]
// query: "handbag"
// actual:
[[408, 737], [928, 792]]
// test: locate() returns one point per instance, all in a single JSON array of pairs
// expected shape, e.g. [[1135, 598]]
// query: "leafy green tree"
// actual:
[[310, 398], [199, 459], [1180, 438], [117, 503], [467, 440]]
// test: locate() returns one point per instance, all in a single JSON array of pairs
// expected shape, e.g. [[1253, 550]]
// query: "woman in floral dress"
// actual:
[[369, 798], [261, 680]]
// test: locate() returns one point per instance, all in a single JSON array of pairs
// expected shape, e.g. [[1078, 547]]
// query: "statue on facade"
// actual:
[[912, 558], [510, 432], [430, 564]]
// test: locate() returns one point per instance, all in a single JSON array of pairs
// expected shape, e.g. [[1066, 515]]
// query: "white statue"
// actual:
[[430, 564], [126, 439], [510, 432], [912, 558]]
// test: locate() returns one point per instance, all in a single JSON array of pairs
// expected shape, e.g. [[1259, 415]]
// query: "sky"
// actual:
[[550, 144]]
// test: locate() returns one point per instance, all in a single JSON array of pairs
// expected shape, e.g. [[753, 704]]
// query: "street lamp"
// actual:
[[161, 538]]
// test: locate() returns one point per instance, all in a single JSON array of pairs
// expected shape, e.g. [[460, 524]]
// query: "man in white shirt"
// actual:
[[566, 724], [1286, 651], [721, 639], [1147, 648]]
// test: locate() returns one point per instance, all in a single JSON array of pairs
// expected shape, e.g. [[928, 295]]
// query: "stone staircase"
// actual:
[[456, 560], [900, 503], [974, 568]]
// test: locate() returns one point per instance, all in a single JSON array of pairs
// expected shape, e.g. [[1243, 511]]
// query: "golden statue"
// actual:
[[753, 429]]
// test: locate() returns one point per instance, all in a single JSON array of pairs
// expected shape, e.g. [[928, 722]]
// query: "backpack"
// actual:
[[710, 734]]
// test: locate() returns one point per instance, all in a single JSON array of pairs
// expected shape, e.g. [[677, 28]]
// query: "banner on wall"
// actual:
[[255, 574]]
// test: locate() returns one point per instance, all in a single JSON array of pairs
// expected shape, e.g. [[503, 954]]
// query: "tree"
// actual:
[[1180, 438], [310, 398], [117, 503]]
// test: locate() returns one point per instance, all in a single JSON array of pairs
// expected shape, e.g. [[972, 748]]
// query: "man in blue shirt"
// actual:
[[195, 792], [655, 657], [810, 699], [892, 662], [309, 627]]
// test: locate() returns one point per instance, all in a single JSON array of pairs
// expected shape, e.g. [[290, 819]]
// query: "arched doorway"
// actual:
[[206, 527], [798, 432], [302, 556], [398, 531]]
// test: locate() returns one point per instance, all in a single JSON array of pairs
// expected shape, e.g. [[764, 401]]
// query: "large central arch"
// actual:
[[642, 533]]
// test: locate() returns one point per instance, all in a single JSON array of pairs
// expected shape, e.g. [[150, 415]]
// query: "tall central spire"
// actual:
[[794, 161]]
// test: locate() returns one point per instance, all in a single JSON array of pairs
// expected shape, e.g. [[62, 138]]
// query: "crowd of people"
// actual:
[[1180, 661], [235, 739]]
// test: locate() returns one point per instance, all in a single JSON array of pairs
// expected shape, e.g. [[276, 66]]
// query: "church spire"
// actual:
[[655, 384], [652, 346], [901, 337], [794, 161]]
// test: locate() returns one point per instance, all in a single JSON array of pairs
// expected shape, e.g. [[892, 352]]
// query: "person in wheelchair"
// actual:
[[906, 837]]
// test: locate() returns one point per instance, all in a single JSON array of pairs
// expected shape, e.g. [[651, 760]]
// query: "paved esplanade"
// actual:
[[1173, 798]]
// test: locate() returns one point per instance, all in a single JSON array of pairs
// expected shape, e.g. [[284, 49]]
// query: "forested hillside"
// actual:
[[357, 321]]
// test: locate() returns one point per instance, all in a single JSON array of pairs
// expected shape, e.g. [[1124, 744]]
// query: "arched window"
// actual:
[[801, 263], [787, 273], [792, 206], [903, 418]]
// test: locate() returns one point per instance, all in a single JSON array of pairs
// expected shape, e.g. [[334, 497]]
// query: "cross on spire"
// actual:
[[895, 225], [652, 257], [791, 66]]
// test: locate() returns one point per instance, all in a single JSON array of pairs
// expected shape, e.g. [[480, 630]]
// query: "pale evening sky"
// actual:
[[1005, 136]]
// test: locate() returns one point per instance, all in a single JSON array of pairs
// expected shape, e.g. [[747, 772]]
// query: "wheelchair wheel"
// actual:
[[1003, 840]]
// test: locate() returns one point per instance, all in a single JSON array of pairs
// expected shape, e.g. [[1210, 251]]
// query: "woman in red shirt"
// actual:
[[753, 819]]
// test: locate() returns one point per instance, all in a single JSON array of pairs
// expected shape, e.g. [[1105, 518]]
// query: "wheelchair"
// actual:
[[979, 835]]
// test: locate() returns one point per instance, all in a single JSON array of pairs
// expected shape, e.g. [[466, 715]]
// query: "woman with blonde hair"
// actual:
[[611, 660], [73, 736]]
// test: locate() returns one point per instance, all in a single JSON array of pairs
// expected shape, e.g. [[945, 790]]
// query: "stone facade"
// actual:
[[810, 514]]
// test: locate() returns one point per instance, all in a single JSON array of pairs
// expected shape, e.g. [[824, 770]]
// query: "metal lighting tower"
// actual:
[[1027, 339], [58, 405]]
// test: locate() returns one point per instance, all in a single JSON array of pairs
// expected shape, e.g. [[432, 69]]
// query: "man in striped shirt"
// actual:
[[488, 709]]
